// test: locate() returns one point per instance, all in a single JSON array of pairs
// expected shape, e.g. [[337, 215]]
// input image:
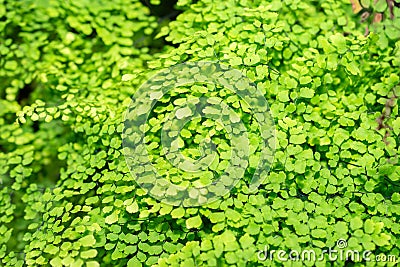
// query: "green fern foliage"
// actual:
[[69, 70]]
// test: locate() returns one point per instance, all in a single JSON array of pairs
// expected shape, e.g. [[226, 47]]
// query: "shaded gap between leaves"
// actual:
[[165, 12], [23, 96]]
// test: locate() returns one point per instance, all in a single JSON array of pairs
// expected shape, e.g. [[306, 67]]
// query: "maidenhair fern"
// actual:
[[69, 70]]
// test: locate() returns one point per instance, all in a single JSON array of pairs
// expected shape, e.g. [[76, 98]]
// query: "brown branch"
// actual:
[[382, 119], [390, 4]]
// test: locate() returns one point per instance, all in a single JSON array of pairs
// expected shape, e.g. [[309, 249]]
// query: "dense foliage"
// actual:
[[68, 70]]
